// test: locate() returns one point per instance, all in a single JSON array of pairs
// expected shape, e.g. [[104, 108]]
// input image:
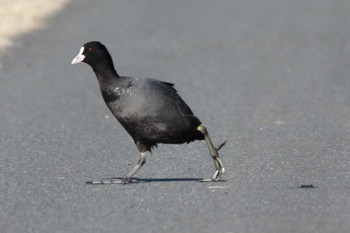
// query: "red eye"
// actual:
[[89, 49]]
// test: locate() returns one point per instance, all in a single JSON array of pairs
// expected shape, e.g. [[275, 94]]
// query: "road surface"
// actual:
[[270, 77]]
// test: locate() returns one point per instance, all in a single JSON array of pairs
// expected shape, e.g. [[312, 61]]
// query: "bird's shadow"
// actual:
[[157, 180]]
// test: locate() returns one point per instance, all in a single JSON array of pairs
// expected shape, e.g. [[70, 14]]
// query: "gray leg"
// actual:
[[214, 154], [142, 161], [127, 177]]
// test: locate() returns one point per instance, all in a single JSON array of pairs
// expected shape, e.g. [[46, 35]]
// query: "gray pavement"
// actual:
[[270, 77]]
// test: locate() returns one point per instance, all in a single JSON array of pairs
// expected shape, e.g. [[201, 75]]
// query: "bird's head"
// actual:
[[93, 53]]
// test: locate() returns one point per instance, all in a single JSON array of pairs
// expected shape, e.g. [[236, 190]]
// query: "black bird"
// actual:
[[151, 111]]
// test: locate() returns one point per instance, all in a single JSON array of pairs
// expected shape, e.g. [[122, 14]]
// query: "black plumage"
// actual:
[[151, 111]]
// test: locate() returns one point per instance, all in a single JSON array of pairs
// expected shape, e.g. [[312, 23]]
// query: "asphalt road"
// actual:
[[270, 77]]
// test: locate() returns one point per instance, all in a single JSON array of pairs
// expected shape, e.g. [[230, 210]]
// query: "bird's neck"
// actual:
[[105, 71]]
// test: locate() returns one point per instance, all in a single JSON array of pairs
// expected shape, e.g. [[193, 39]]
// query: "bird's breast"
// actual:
[[112, 95]]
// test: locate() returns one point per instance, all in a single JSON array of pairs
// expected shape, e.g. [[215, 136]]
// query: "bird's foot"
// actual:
[[125, 180], [216, 177]]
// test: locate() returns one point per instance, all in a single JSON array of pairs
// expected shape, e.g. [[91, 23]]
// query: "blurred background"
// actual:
[[271, 77]]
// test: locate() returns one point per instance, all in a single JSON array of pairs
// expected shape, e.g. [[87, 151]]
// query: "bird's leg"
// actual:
[[214, 154], [142, 161], [127, 178]]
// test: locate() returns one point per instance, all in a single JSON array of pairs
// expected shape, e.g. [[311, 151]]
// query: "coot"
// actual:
[[151, 111]]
